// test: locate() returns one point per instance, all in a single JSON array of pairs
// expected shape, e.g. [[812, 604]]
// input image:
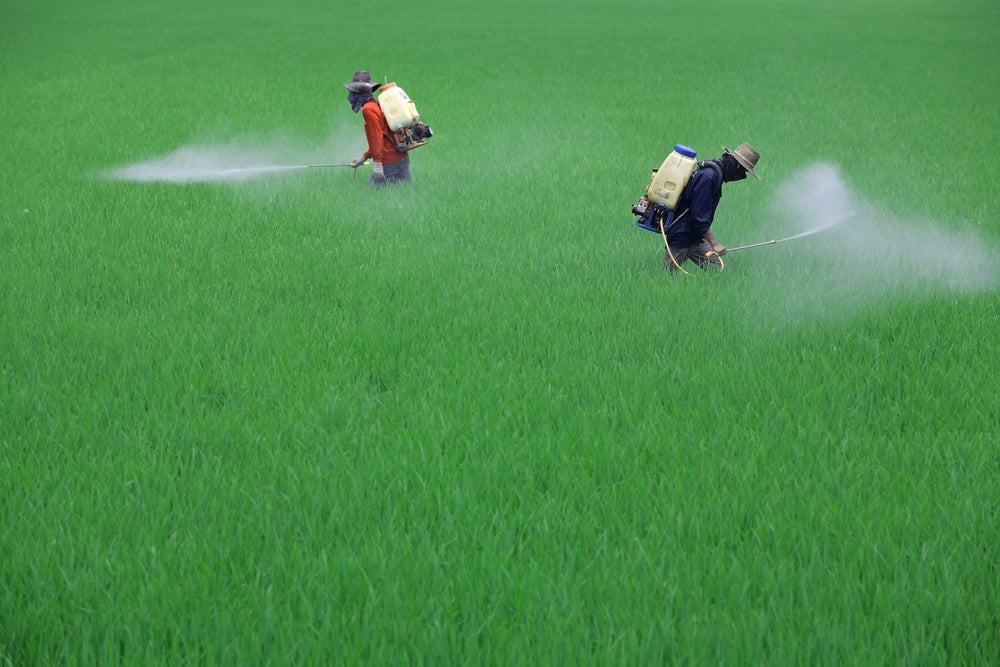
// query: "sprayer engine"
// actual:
[[414, 136], [649, 215]]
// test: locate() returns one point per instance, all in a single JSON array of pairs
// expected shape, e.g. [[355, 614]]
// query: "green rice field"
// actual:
[[278, 418]]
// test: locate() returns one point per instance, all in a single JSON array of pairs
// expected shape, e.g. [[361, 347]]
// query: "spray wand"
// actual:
[[317, 166], [837, 221], [752, 245], [290, 167], [363, 164]]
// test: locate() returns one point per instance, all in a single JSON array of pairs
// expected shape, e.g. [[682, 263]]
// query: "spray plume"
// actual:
[[232, 162], [865, 254]]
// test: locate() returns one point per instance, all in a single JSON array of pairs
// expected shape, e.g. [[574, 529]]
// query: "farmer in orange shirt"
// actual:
[[390, 165]]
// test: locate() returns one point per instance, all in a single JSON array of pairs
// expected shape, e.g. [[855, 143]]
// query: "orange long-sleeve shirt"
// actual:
[[380, 145]]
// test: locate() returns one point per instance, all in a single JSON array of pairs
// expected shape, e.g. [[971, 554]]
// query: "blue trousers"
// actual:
[[397, 172]]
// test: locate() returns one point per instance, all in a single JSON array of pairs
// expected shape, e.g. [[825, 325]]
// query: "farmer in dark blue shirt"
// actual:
[[689, 235]]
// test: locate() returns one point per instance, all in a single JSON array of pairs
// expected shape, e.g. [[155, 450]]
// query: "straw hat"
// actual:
[[746, 156], [362, 82]]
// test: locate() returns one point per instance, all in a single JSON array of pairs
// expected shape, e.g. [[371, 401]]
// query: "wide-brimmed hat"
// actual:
[[362, 82], [746, 156]]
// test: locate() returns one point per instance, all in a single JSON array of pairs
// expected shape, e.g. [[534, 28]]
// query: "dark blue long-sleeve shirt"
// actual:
[[695, 209]]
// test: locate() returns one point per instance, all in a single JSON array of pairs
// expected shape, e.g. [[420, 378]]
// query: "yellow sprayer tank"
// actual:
[[669, 180], [399, 110]]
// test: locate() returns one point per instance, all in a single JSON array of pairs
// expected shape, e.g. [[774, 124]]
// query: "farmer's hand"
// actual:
[[719, 249], [377, 172], [358, 162]]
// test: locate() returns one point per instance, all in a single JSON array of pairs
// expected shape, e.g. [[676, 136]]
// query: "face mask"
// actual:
[[732, 170], [358, 100]]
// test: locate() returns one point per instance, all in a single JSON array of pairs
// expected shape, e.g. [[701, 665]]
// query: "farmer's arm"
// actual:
[[373, 131], [703, 203], [716, 246]]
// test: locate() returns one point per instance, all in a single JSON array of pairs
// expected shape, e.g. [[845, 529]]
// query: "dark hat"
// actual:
[[362, 82], [746, 156]]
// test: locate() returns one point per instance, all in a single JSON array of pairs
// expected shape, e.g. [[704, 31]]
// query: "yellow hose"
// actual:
[[667, 245], [722, 263], [355, 170]]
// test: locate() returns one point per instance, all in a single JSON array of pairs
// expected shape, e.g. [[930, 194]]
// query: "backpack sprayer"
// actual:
[[404, 121], [655, 209]]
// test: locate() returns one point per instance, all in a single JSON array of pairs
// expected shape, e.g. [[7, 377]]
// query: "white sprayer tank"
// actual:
[[670, 179], [399, 110]]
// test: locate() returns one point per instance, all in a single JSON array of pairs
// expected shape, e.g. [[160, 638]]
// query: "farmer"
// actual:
[[389, 164], [689, 235]]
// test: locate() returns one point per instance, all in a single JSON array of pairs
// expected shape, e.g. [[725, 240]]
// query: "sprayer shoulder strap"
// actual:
[[675, 218], [707, 164]]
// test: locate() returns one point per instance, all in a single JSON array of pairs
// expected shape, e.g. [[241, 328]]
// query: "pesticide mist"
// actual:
[[239, 161], [857, 254]]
